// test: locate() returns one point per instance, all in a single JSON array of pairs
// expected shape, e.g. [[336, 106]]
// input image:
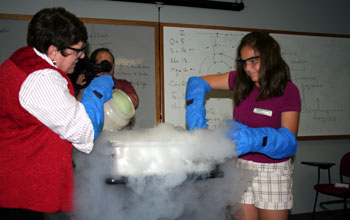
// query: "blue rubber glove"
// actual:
[[93, 98], [275, 143], [196, 91]]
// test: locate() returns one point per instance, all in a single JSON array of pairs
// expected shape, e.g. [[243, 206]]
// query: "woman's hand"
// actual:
[[81, 80]]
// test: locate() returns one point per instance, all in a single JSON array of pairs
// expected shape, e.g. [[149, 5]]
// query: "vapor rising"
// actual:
[[162, 173]]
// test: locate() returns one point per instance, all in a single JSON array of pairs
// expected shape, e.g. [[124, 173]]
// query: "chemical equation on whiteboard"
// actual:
[[180, 58], [177, 95], [214, 54]]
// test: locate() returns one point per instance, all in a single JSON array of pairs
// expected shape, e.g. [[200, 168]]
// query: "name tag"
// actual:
[[262, 111]]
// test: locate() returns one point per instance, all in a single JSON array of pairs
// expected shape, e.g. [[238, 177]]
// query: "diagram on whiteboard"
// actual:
[[196, 52]]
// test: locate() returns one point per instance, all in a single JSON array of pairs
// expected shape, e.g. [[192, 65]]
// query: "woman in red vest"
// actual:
[[40, 119]]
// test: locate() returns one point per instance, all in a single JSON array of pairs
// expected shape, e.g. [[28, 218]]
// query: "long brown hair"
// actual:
[[274, 72]]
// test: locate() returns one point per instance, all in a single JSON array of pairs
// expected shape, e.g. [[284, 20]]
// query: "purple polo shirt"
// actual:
[[124, 85], [244, 113]]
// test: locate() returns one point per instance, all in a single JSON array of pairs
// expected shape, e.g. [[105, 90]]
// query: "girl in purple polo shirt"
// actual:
[[266, 118]]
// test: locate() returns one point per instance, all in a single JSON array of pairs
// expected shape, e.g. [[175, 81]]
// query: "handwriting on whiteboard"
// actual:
[[310, 85], [195, 52]]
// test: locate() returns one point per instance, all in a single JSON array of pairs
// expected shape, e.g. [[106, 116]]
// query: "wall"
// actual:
[[317, 16]]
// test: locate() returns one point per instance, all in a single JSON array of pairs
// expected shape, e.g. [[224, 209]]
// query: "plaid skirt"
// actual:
[[271, 188]]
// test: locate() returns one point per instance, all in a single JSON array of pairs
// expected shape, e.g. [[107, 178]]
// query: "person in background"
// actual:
[[41, 120], [265, 125], [96, 57]]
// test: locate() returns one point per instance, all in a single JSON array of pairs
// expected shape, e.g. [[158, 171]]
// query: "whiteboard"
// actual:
[[134, 50], [320, 67]]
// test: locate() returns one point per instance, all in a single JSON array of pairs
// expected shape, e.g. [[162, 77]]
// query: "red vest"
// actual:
[[35, 163]]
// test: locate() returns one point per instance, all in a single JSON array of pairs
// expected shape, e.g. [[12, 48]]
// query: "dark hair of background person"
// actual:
[[97, 51], [274, 72], [55, 26]]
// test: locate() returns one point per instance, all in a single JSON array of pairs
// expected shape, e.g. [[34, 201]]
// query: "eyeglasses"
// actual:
[[250, 61], [78, 51]]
